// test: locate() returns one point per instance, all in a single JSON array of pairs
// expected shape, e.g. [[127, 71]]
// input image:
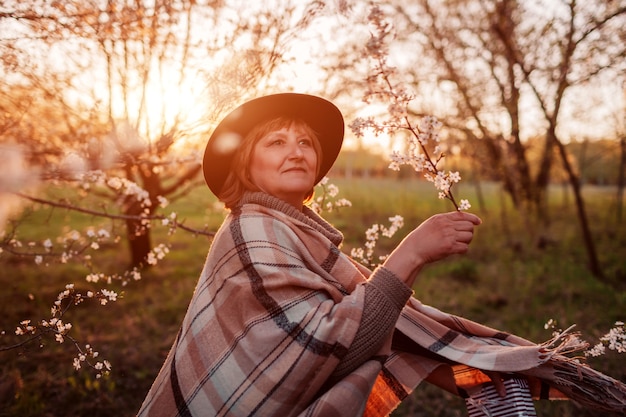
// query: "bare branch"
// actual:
[[104, 214]]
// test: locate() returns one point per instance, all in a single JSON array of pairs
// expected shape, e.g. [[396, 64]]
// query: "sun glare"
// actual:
[[380, 143], [169, 101], [169, 104]]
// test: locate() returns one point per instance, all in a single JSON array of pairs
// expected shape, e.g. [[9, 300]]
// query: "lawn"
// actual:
[[517, 275]]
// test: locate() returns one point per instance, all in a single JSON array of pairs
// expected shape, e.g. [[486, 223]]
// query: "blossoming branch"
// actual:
[[420, 139]]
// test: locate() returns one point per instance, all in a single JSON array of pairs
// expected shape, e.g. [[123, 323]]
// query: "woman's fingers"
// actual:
[[498, 382], [472, 218], [464, 237], [437, 237], [460, 227], [464, 226], [444, 234]]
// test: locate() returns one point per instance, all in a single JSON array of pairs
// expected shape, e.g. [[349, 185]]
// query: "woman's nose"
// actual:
[[295, 151]]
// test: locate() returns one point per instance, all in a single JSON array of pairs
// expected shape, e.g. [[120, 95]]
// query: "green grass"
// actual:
[[517, 275]]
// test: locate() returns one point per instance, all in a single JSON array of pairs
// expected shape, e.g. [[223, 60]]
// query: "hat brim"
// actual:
[[320, 114]]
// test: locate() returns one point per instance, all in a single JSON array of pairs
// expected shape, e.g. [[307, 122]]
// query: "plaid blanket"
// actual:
[[276, 328]]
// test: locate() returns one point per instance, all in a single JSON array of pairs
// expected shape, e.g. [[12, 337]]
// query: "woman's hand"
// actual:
[[498, 382], [439, 236], [442, 235]]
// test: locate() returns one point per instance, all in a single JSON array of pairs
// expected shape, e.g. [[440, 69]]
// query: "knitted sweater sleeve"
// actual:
[[385, 296]]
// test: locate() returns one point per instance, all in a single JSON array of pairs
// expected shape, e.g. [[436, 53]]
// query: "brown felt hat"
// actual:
[[320, 114]]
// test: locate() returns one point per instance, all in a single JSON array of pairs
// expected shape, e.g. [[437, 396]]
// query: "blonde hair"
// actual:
[[238, 180]]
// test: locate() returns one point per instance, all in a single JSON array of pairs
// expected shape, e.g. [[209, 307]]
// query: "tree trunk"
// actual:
[[543, 177], [482, 207], [594, 264], [621, 179], [138, 236]]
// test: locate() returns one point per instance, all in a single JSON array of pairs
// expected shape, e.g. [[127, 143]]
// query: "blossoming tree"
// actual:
[[111, 123]]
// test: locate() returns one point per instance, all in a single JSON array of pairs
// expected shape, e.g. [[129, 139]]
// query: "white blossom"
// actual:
[[92, 277], [115, 183], [464, 205], [110, 295], [597, 350], [162, 201], [454, 177]]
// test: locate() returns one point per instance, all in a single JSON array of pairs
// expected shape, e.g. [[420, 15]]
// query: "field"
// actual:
[[517, 275]]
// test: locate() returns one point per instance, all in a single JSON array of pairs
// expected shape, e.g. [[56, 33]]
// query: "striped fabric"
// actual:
[[277, 312], [485, 402]]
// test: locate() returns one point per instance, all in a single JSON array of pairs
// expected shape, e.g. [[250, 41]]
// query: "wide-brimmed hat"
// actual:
[[320, 114]]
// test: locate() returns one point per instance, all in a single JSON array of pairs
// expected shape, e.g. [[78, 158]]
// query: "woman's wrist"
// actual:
[[404, 267]]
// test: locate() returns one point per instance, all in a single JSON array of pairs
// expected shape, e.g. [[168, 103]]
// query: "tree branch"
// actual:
[[72, 207]]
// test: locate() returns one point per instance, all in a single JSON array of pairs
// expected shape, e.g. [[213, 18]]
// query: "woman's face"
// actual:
[[284, 164]]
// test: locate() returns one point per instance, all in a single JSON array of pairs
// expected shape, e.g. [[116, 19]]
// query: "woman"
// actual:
[[281, 322]]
